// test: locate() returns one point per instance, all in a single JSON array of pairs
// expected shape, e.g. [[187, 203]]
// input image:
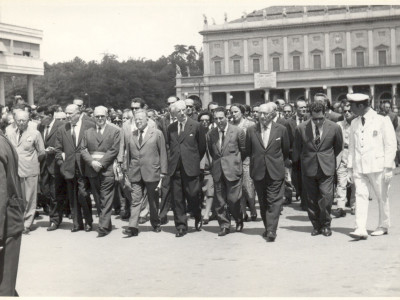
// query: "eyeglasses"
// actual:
[[265, 114], [189, 106], [287, 112], [347, 111], [204, 120], [318, 119], [135, 108], [100, 117]]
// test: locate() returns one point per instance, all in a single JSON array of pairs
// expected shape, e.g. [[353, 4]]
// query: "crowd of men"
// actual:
[[142, 163]]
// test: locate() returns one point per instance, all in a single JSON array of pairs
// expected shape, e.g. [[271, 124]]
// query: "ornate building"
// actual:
[[20, 55], [293, 52]]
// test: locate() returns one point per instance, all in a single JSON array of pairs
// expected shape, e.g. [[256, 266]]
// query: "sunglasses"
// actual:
[[135, 108]]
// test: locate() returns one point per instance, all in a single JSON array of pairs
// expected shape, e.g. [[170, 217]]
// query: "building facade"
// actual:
[[20, 56], [294, 52]]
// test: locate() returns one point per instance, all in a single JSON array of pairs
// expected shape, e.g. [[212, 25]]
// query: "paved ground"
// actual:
[[201, 264]]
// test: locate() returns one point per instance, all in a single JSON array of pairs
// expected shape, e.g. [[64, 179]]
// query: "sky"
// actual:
[[127, 28]]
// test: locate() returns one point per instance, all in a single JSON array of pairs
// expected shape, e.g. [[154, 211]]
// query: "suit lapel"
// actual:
[[227, 137], [147, 136], [187, 128], [325, 128], [68, 132], [310, 133], [272, 134], [258, 134], [83, 128], [52, 131], [135, 138], [100, 136]]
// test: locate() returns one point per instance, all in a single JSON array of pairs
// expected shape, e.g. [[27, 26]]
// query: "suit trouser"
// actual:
[[341, 187], [103, 192], [9, 258], [248, 195], [319, 198], [53, 192], [165, 197], [229, 195], [184, 187], [297, 180], [375, 183], [138, 189], [127, 190], [77, 190], [270, 196], [29, 186]]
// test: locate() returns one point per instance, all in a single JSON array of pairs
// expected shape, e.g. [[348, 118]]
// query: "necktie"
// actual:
[[300, 119], [317, 136], [46, 132], [180, 128], [362, 121], [140, 137], [222, 139], [73, 134], [20, 136]]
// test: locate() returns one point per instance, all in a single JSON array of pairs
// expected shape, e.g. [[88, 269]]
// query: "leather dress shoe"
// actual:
[[131, 231], [164, 220], [88, 228], [101, 234], [271, 236], [76, 229], [379, 231], [239, 226], [198, 223], [205, 221], [213, 217], [353, 211], [315, 232], [357, 235], [224, 231], [157, 229], [52, 227], [246, 217], [254, 218], [180, 233], [326, 231], [338, 213]]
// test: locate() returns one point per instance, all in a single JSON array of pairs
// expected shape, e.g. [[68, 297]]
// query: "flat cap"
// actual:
[[357, 97]]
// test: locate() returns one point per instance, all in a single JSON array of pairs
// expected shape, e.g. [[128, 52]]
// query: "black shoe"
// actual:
[[338, 213], [239, 226], [271, 236], [52, 227], [36, 215], [326, 231], [117, 211], [101, 234], [316, 232], [246, 217], [198, 223], [287, 201], [205, 221], [157, 229], [254, 218], [88, 227], [76, 229], [164, 220], [224, 231], [131, 231], [213, 217], [180, 233]]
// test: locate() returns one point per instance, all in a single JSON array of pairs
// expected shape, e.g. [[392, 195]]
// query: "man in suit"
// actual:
[[317, 143], [12, 209], [226, 143], [72, 167], [329, 113], [100, 147], [51, 179], [387, 111], [372, 149], [147, 166], [82, 109], [29, 145], [268, 144], [187, 146]]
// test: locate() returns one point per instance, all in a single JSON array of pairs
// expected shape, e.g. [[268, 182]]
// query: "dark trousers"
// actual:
[[54, 194], [270, 196], [77, 190], [9, 258], [102, 188], [184, 186], [297, 181], [165, 197], [138, 190], [319, 198], [228, 195]]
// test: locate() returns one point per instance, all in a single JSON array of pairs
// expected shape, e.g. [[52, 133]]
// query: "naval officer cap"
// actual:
[[357, 97]]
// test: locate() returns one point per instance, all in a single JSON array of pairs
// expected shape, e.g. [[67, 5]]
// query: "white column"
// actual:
[[245, 56], [30, 89], [2, 90], [329, 93], [266, 95], [327, 52], [285, 53], [370, 48], [394, 92], [206, 96], [226, 45], [265, 54], [350, 89], [307, 94], [287, 95], [206, 58], [372, 92], [247, 97], [348, 48], [228, 98], [306, 54], [393, 45]]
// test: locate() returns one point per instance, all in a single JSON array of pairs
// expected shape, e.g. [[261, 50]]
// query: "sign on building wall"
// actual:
[[265, 80]]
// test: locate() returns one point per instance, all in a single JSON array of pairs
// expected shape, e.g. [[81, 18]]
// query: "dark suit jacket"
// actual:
[[106, 143], [50, 141], [189, 147], [393, 118], [148, 160], [12, 205], [65, 144], [229, 160], [270, 159], [324, 154]]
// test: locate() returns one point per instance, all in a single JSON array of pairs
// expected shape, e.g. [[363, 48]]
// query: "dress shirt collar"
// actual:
[[144, 130], [101, 128], [225, 129]]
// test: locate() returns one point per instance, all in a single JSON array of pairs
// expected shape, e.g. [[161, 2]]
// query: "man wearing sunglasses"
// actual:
[[317, 143]]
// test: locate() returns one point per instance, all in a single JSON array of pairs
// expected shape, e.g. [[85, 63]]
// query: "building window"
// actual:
[[275, 64], [296, 62], [382, 57], [236, 66], [256, 65], [317, 61], [360, 59], [217, 66], [338, 60]]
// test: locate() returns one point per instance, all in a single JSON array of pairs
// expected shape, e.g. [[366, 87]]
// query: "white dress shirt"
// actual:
[[220, 135], [319, 128], [265, 132]]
